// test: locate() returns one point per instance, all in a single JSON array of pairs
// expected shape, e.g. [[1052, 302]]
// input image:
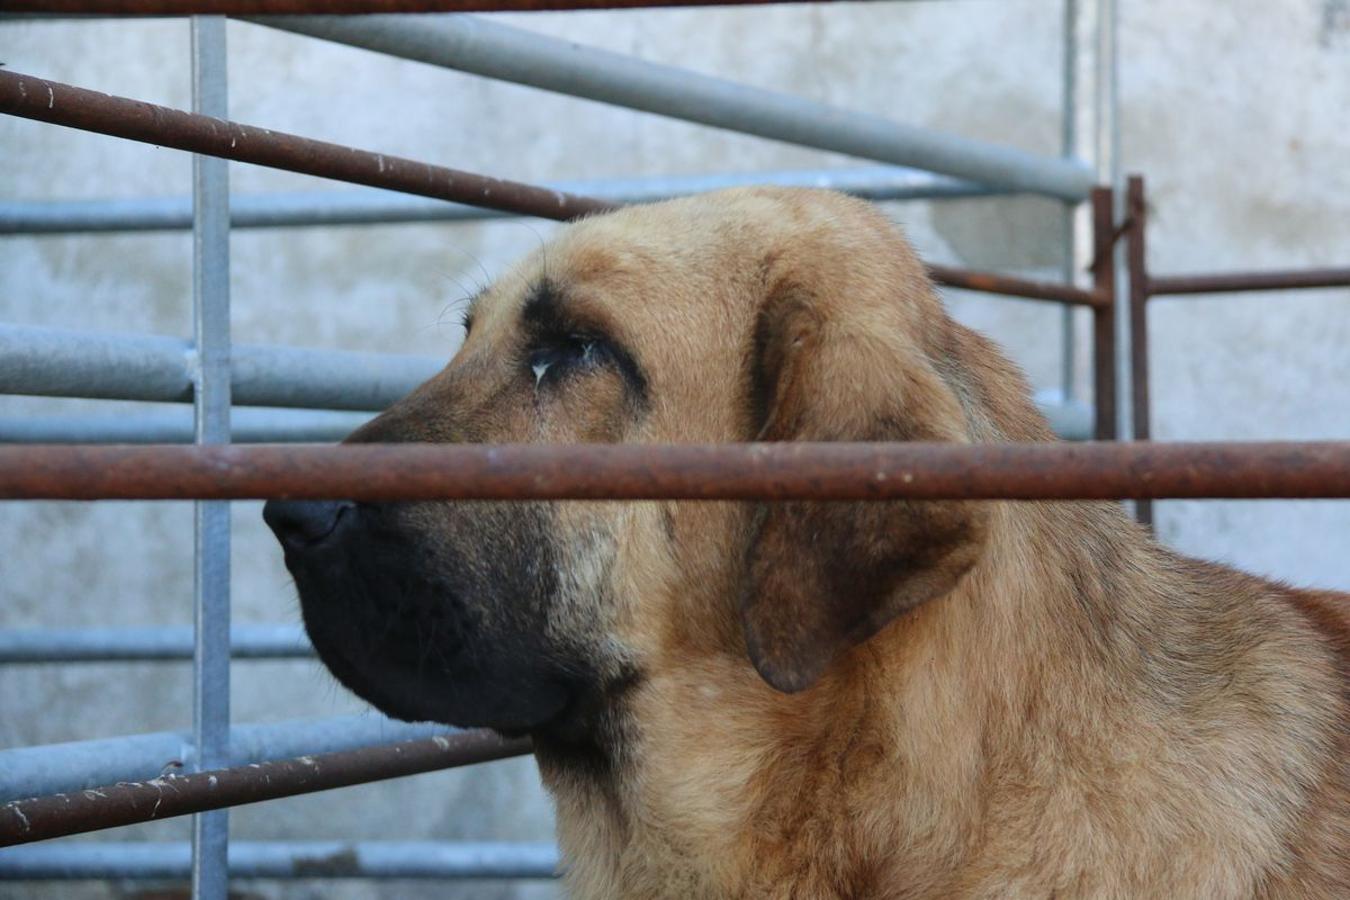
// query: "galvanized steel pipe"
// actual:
[[493, 50], [83, 765], [145, 643], [248, 425], [60, 363], [373, 206]]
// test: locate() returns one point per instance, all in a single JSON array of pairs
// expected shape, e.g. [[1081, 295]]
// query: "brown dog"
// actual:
[[815, 700]]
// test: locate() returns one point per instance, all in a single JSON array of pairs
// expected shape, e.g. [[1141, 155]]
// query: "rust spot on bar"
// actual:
[[787, 471], [343, 863]]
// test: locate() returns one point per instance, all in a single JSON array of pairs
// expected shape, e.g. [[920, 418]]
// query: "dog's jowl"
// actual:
[[823, 700]]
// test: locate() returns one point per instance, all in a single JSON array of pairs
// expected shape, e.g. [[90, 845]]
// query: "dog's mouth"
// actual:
[[424, 631], [449, 695], [417, 666]]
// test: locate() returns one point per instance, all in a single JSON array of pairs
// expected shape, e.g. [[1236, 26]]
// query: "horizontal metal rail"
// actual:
[[56, 362], [494, 50], [148, 643], [63, 104], [81, 765], [285, 860], [783, 471], [373, 206], [1071, 421], [342, 7], [52, 362], [126, 803], [174, 426], [1007, 286], [1235, 282]]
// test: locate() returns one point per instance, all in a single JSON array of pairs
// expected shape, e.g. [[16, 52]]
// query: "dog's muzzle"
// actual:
[[427, 612]]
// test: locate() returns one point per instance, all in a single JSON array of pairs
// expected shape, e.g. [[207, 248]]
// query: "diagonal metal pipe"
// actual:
[[481, 47]]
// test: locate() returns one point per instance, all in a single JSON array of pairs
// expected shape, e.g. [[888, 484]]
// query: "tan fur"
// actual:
[[1052, 704]]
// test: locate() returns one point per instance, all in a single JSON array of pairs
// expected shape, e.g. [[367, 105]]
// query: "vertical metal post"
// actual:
[[1136, 250], [1104, 317], [1068, 366], [211, 330], [1108, 170]]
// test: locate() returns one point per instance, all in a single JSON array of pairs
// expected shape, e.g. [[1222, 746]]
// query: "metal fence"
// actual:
[[104, 783]]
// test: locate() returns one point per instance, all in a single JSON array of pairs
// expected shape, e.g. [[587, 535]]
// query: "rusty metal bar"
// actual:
[[785, 471], [63, 104], [340, 7], [1236, 282], [1136, 255], [127, 803], [994, 283], [1103, 316]]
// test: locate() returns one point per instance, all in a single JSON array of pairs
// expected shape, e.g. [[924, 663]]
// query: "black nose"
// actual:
[[303, 523]]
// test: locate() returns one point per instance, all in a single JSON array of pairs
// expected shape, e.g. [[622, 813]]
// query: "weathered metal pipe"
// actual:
[[1235, 282], [1136, 259], [786, 471], [63, 104], [994, 283], [111, 806]]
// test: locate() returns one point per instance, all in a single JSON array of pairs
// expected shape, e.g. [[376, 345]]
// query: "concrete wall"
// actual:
[[1236, 116]]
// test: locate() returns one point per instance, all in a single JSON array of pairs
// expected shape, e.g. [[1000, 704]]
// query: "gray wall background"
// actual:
[[1237, 113]]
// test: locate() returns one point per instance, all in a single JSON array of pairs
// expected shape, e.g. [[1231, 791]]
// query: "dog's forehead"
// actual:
[[636, 275]]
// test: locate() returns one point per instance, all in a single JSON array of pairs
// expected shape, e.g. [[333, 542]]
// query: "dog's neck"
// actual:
[[732, 789]]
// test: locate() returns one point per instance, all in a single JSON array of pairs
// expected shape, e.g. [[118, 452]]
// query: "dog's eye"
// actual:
[[554, 358]]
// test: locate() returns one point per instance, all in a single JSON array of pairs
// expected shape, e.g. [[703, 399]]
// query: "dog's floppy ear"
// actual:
[[822, 577]]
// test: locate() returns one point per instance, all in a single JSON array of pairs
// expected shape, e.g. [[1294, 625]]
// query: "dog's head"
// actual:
[[764, 314]]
